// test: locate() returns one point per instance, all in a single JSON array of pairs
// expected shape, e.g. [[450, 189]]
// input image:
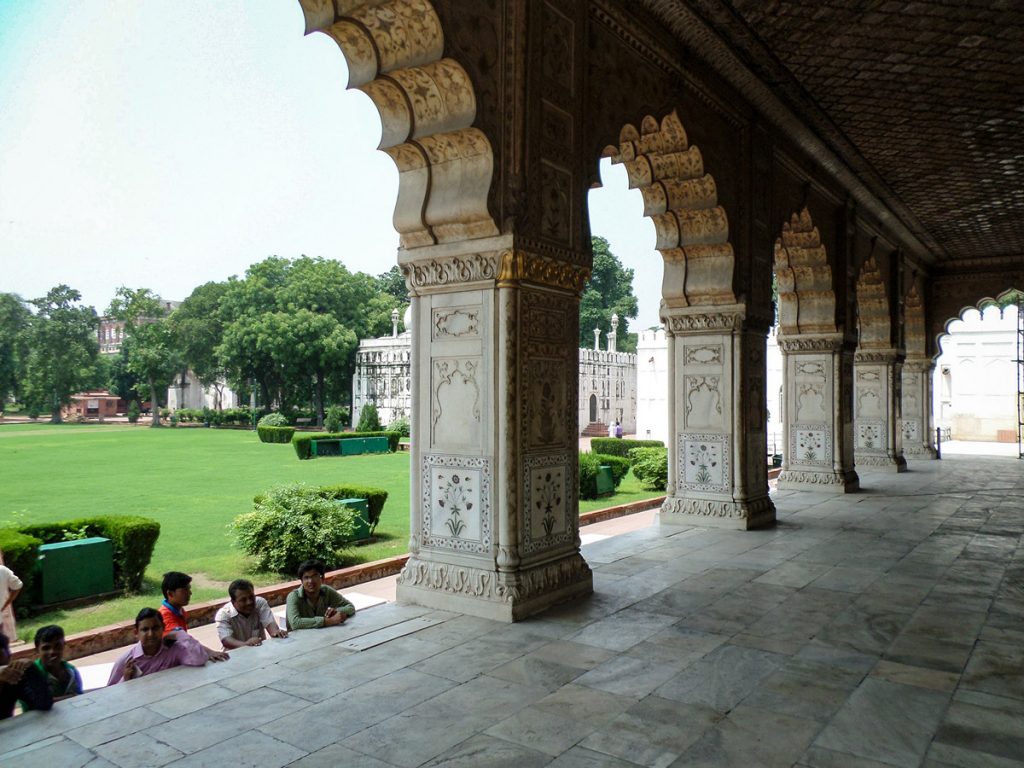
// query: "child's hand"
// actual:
[[130, 670], [213, 655]]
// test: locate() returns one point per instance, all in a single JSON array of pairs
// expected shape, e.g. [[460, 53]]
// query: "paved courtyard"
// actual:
[[882, 628]]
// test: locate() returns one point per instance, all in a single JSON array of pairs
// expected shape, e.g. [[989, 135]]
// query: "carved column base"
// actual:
[[493, 594], [894, 463], [713, 513], [826, 481], [924, 453]]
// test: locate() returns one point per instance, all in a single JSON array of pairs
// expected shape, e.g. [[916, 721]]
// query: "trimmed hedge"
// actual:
[[375, 498], [617, 446], [590, 463], [133, 539], [20, 553], [303, 442], [275, 434]]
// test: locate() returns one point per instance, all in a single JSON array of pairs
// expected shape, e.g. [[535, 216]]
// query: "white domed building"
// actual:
[[382, 375]]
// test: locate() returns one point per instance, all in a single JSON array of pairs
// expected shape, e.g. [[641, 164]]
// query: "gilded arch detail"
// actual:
[[394, 51]]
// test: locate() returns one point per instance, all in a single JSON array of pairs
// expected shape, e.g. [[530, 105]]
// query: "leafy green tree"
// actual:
[[393, 284], [369, 419], [122, 382], [608, 291], [153, 354], [14, 323], [62, 350]]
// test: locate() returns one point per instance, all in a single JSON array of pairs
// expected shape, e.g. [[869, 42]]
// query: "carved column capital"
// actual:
[[559, 269], [678, 320], [885, 356], [833, 342]]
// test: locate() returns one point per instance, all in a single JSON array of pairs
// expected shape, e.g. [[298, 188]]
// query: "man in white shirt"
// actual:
[[247, 619]]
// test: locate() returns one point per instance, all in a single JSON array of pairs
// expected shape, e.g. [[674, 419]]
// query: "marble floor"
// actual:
[[882, 628]]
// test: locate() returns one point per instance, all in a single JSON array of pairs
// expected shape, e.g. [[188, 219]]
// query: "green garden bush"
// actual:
[[650, 467], [269, 434], [292, 523], [617, 446], [369, 419], [133, 539], [335, 418], [20, 553], [302, 442], [274, 419], [590, 463], [133, 412], [375, 498], [401, 426]]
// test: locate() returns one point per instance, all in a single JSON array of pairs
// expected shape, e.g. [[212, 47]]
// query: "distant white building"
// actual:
[[975, 381], [608, 386], [188, 392], [382, 374]]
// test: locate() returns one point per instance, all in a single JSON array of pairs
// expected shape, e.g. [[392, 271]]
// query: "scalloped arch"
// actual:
[[807, 302], [873, 308], [692, 229], [981, 305], [394, 51]]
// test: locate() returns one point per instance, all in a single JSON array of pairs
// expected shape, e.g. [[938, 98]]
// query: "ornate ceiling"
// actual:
[[922, 101]]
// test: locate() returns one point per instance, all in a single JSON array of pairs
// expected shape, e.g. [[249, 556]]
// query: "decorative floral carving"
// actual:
[[549, 491], [812, 446], [705, 354], [455, 499], [454, 269], [456, 370], [704, 462], [455, 513], [456, 322], [716, 321]]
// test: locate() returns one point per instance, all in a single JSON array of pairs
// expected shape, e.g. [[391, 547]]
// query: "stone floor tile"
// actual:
[[587, 704], [457, 631], [50, 753], [751, 737], [980, 722], [997, 669], [572, 654], [115, 727], [949, 756], [847, 579], [532, 671], [627, 676], [808, 690], [836, 656], [579, 757], [929, 652], [886, 722], [817, 757], [247, 750], [723, 678], [464, 662], [138, 750], [489, 697], [623, 629], [863, 630], [920, 677], [542, 730], [336, 756], [484, 750], [196, 699]]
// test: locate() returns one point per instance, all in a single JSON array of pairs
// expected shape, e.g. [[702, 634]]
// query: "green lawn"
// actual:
[[194, 481]]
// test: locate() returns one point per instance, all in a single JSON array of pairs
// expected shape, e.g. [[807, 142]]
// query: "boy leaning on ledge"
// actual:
[[313, 604], [155, 652]]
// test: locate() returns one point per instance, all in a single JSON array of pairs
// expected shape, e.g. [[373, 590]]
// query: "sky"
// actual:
[[161, 144]]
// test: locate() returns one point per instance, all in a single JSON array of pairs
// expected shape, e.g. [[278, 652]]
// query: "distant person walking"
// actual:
[[10, 587]]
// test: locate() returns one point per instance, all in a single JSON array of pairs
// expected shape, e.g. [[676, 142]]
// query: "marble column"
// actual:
[[818, 413], [718, 449], [878, 376], [494, 488], [917, 423]]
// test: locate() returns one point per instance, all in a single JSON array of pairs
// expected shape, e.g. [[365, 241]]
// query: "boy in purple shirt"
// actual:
[[154, 652]]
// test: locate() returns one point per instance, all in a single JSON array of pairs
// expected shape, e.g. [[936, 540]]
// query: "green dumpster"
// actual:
[[362, 506], [353, 446], [71, 569], [605, 481]]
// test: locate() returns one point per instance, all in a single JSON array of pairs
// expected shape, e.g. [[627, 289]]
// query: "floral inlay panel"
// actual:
[[910, 431], [811, 445], [456, 504], [549, 487], [704, 462], [871, 435]]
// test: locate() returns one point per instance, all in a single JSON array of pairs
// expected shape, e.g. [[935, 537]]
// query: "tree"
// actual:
[[151, 346], [393, 284], [62, 350], [14, 323], [198, 328], [608, 291]]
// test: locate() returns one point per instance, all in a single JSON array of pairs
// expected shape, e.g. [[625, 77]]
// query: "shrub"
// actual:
[[335, 418], [292, 523], [590, 464], [401, 426], [618, 465], [133, 412], [275, 434], [273, 420], [617, 446], [133, 539], [20, 553], [369, 419], [302, 442], [375, 498], [650, 467]]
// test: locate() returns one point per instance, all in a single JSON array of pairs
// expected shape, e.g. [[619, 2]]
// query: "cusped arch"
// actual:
[[1009, 297], [807, 301], [873, 315], [394, 51], [692, 229]]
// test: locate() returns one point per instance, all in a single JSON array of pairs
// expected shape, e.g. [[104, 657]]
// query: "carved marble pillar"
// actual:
[[877, 408], [494, 488], [916, 425], [818, 413], [718, 448]]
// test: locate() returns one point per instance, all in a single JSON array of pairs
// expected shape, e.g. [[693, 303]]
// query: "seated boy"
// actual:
[[247, 619], [20, 681], [154, 652], [177, 591], [314, 605], [61, 677]]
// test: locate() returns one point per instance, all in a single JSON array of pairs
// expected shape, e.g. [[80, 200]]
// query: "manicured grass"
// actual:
[[194, 482]]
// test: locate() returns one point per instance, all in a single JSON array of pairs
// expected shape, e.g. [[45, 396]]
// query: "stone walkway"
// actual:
[[882, 628]]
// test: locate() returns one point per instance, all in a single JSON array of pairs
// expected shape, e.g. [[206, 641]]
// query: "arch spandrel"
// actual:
[[692, 230], [427, 106], [807, 302]]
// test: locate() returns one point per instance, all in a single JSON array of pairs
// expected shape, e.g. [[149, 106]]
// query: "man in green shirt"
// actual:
[[314, 605]]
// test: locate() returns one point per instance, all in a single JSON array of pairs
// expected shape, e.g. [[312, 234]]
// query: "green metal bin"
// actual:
[[71, 569], [362, 530]]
